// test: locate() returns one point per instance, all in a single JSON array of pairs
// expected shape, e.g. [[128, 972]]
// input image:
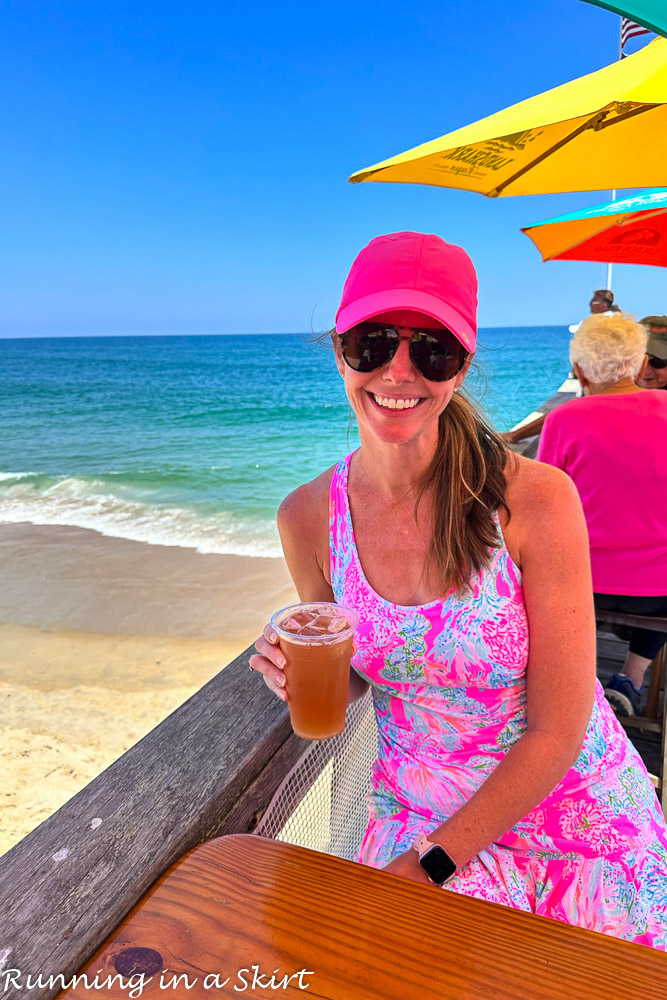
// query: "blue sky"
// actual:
[[182, 167]]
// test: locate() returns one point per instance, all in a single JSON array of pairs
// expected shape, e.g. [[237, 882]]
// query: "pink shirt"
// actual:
[[614, 448]]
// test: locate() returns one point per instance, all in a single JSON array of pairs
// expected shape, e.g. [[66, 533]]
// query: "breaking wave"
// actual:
[[88, 502]]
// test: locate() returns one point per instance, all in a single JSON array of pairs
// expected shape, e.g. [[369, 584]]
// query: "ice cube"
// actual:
[[304, 617], [291, 625], [312, 630], [338, 625]]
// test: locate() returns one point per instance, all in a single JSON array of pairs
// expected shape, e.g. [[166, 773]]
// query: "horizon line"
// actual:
[[228, 333]]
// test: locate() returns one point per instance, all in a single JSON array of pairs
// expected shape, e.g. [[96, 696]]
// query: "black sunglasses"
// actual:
[[436, 354], [657, 363]]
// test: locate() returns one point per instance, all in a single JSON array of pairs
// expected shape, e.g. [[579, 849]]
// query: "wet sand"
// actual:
[[100, 639]]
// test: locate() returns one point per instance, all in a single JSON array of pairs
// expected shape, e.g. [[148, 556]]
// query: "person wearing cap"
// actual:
[[611, 443], [654, 375], [502, 771], [601, 304]]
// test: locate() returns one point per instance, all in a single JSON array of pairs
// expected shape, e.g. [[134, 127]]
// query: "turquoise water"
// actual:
[[195, 440]]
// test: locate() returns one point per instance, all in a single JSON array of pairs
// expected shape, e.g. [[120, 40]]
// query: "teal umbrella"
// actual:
[[651, 13]]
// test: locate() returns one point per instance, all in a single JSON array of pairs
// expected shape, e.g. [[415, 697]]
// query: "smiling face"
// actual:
[[396, 403], [654, 375], [653, 378]]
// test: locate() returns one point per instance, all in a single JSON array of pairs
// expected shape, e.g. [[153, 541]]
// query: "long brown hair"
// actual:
[[467, 476]]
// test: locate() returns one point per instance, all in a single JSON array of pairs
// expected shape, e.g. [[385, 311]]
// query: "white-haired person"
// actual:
[[612, 445]]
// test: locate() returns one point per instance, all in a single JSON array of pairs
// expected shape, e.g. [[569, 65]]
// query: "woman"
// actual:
[[612, 444], [455, 553]]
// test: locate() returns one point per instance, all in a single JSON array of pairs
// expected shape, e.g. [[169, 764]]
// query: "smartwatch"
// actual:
[[435, 860]]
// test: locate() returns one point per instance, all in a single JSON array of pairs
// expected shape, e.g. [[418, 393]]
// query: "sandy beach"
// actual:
[[100, 639]]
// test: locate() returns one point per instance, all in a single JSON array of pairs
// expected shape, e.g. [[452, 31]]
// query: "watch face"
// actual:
[[437, 864]]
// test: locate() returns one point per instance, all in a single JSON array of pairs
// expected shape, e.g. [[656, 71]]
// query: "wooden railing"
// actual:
[[210, 768]]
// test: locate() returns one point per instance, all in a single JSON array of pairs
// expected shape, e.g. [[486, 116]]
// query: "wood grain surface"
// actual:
[[240, 902]]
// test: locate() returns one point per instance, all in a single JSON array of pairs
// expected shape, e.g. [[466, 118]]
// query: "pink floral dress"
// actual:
[[449, 686]]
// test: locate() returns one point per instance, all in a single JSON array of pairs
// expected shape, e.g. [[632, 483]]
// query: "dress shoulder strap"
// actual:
[[340, 525]]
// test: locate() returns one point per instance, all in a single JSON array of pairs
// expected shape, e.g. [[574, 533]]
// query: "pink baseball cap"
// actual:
[[412, 273]]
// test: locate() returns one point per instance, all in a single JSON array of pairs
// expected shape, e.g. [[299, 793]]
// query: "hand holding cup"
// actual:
[[311, 669], [269, 661]]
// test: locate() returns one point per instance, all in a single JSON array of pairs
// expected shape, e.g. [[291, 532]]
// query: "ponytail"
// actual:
[[468, 482]]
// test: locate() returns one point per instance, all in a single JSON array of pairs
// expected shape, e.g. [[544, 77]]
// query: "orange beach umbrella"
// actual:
[[630, 231]]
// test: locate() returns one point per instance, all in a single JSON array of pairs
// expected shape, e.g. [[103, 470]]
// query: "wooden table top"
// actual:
[[256, 913]]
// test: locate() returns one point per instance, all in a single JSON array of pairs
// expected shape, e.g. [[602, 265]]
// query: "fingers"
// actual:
[[269, 662]]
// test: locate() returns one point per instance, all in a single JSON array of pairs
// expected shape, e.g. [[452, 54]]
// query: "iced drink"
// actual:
[[316, 640]]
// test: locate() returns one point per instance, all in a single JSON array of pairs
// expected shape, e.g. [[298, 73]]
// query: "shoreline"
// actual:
[[100, 639], [58, 576]]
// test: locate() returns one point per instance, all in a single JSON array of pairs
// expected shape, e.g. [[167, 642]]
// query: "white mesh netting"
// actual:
[[322, 804]]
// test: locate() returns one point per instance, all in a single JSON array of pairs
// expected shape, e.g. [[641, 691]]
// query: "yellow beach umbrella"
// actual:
[[604, 130]]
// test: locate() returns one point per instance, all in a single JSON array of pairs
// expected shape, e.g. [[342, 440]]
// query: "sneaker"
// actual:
[[623, 696]]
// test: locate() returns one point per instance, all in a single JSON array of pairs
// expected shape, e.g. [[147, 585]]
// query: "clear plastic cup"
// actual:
[[316, 640]]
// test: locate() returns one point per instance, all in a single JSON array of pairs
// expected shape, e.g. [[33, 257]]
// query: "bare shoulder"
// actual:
[[544, 507], [532, 485], [307, 505], [303, 523], [549, 533]]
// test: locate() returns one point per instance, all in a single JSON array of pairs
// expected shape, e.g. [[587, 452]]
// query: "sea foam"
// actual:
[[90, 503]]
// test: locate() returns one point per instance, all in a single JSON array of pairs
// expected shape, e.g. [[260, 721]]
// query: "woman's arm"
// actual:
[[303, 523], [549, 535]]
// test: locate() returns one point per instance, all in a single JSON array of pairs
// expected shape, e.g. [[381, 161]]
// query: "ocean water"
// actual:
[[194, 441]]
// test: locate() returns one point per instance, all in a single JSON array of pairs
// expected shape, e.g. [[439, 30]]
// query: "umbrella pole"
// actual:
[[608, 285]]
